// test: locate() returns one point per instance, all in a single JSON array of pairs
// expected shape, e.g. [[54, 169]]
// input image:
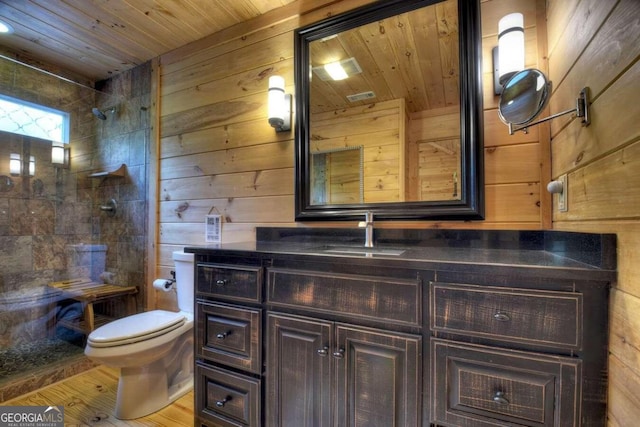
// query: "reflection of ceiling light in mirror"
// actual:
[[5, 28], [335, 70], [332, 36], [338, 70]]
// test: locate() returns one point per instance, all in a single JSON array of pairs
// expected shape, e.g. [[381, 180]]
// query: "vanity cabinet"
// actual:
[[288, 335], [228, 344], [367, 376], [326, 365]]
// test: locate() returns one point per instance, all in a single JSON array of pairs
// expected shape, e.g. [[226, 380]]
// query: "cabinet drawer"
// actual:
[[229, 282], [480, 386], [229, 335], [541, 318], [378, 298], [227, 399]]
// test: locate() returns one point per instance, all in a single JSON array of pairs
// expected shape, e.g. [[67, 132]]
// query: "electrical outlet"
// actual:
[[562, 196]]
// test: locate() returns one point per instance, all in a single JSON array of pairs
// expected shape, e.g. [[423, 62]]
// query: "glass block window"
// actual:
[[26, 118]]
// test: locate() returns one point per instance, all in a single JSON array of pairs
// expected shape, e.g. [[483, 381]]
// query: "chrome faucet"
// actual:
[[367, 224]]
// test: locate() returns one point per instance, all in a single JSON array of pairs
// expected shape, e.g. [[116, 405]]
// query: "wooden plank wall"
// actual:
[[434, 154], [596, 44], [219, 155], [380, 132]]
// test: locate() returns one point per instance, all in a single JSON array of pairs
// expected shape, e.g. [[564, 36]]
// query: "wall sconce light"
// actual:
[[59, 154], [279, 105], [32, 165], [508, 56], [15, 164]]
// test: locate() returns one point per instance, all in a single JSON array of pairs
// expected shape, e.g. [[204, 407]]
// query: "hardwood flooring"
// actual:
[[89, 398]]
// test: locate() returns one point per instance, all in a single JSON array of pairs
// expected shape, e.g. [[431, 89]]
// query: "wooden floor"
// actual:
[[89, 399]]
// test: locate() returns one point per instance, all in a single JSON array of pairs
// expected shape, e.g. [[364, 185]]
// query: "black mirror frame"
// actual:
[[471, 204]]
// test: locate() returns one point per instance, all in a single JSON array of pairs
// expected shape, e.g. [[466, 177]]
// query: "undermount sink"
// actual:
[[354, 250]]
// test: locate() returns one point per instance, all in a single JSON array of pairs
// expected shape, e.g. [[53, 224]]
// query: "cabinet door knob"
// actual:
[[221, 403], [323, 351], [500, 399], [221, 282], [339, 354], [222, 335], [501, 317]]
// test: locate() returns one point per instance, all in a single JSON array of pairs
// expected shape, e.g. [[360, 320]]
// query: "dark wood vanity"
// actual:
[[432, 327]]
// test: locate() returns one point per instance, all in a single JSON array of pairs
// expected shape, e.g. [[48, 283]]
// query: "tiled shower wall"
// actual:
[[42, 216], [123, 138]]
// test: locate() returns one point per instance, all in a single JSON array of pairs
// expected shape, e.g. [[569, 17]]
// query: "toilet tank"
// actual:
[[185, 285]]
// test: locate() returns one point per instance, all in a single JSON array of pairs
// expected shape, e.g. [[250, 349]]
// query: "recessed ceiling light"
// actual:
[[5, 28]]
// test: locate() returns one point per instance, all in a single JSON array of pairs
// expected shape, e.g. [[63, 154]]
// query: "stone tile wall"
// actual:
[[42, 216]]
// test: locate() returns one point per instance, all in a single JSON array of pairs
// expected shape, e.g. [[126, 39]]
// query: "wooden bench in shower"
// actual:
[[88, 293]]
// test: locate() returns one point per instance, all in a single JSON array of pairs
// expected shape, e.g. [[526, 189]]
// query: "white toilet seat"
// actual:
[[136, 328]]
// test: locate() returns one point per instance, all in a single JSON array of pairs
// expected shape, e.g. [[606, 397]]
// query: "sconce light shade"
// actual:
[[510, 46], [15, 164], [32, 165], [59, 154], [279, 105]]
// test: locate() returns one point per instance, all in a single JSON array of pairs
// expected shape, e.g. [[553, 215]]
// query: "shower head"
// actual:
[[102, 115]]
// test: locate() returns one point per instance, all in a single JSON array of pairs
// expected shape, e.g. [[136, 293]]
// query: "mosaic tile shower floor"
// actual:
[[21, 359]]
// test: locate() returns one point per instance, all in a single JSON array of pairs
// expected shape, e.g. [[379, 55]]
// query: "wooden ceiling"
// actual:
[[412, 56], [97, 39]]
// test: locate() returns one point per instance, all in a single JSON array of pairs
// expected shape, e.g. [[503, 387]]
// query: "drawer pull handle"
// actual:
[[222, 335], [221, 403], [323, 351], [221, 282], [501, 317], [499, 398], [339, 354]]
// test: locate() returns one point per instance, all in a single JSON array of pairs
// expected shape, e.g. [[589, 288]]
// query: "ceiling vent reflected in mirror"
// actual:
[[338, 70], [361, 96]]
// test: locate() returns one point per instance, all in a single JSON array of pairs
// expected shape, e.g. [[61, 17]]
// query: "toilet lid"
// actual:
[[139, 327]]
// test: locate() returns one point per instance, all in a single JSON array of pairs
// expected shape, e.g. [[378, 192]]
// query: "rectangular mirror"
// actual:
[[408, 93]]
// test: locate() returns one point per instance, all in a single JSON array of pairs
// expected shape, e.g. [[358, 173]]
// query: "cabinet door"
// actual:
[[378, 378], [299, 372]]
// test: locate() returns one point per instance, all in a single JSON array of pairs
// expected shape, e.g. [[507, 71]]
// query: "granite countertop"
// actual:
[[592, 255]]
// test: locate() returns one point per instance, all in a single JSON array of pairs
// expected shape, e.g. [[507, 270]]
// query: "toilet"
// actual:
[[154, 350]]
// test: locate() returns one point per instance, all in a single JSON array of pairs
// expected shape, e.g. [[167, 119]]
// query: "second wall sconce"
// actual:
[[279, 105], [508, 56], [15, 164], [59, 154]]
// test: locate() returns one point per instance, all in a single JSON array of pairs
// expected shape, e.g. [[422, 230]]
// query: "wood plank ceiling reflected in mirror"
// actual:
[[399, 101]]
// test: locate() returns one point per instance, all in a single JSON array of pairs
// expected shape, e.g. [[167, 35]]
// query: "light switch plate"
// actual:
[[562, 196]]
